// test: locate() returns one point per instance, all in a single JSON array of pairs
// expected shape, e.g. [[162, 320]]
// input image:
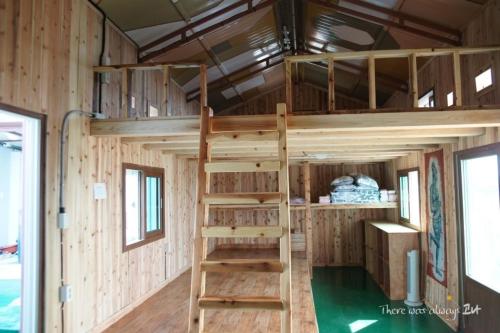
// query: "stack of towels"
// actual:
[[354, 189]]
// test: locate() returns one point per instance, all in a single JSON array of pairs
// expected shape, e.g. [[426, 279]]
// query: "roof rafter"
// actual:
[[217, 83], [400, 25], [184, 39]]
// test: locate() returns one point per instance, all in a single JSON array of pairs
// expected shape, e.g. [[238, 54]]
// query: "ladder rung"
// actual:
[[234, 231], [241, 302], [242, 265], [242, 166], [243, 136], [248, 198]]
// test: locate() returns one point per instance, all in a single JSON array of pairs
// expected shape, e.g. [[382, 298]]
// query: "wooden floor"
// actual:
[[167, 311]]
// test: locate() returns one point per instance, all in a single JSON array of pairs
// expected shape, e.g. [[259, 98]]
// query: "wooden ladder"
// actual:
[[199, 301]]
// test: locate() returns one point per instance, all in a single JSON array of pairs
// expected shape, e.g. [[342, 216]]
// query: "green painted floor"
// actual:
[[347, 300]]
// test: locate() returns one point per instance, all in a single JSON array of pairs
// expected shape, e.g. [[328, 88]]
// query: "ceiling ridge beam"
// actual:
[[401, 26], [186, 39]]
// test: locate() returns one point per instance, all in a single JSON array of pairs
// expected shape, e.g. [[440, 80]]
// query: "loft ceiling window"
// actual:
[[484, 80]]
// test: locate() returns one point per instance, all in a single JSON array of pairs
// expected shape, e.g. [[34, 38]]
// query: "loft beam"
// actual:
[[407, 119]]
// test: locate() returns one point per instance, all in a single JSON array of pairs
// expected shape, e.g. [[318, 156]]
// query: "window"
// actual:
[[409, 198], [479, 197], [450, 99], [153, 111], [484, 80], [427, 100], [142, 205]]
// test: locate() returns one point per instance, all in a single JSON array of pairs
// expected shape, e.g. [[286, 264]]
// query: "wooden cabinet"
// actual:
[[386, 245]]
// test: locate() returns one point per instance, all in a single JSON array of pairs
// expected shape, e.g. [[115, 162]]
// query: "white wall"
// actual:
[[10, 195]]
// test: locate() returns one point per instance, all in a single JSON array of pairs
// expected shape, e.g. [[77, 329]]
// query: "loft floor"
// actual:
[[347, 300], [167, 310]]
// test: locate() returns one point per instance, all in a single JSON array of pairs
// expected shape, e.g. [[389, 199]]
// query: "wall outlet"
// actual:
[[65, 293]]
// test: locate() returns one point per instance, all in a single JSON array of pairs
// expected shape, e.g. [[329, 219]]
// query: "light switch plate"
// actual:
[[100, 191]]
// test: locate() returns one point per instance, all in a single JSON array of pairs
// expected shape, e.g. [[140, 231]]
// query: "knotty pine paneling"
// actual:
[[47, 50], [483, 30]]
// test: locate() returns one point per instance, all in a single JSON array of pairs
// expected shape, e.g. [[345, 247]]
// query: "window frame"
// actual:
[[402, 220], [458, 157], [490, 87], [151, 236]]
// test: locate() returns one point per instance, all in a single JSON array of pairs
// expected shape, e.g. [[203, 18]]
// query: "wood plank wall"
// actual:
[[47, 50], [307, 98], [337, 234], [484, 30]]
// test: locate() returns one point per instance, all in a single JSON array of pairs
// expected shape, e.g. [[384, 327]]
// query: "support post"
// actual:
[[166, 103], [125, 93], [307, 195], [331, 86], [288, 86], [372, 83], [284, 222], [198, 278], [457, 79], [414, 79]]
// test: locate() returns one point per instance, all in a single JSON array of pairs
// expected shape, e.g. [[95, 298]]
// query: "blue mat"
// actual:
[[10, 309]]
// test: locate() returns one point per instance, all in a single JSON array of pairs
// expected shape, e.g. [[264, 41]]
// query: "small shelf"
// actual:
[[379, 205]]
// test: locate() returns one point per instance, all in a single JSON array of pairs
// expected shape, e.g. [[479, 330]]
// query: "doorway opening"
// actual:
[[22, 154]]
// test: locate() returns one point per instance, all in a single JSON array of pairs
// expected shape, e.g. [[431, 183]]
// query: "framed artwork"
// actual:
[[436, 219]]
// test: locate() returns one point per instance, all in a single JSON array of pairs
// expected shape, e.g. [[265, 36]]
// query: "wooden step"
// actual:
[[242, 265], [244, 136], [234, 231], [245, 198], [242, 166], [241, 302]]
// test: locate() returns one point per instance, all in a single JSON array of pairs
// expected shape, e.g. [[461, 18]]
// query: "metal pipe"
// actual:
[[61, 217]]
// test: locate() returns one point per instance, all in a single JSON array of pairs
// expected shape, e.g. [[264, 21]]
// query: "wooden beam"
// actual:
[[284, 221], [411, 119], [196, 315], [386, 22], [151, 66], [386, 80], [308, 216], [242, 265], [414, 79], [241, 302], [203, 85], [238, 231], [372, 90], [331, 86], [202, 32], [254, 136], [247, 198], [125, 95], [166, 104], [395, 53], [457, 76], [288, 87], [242, 166]]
